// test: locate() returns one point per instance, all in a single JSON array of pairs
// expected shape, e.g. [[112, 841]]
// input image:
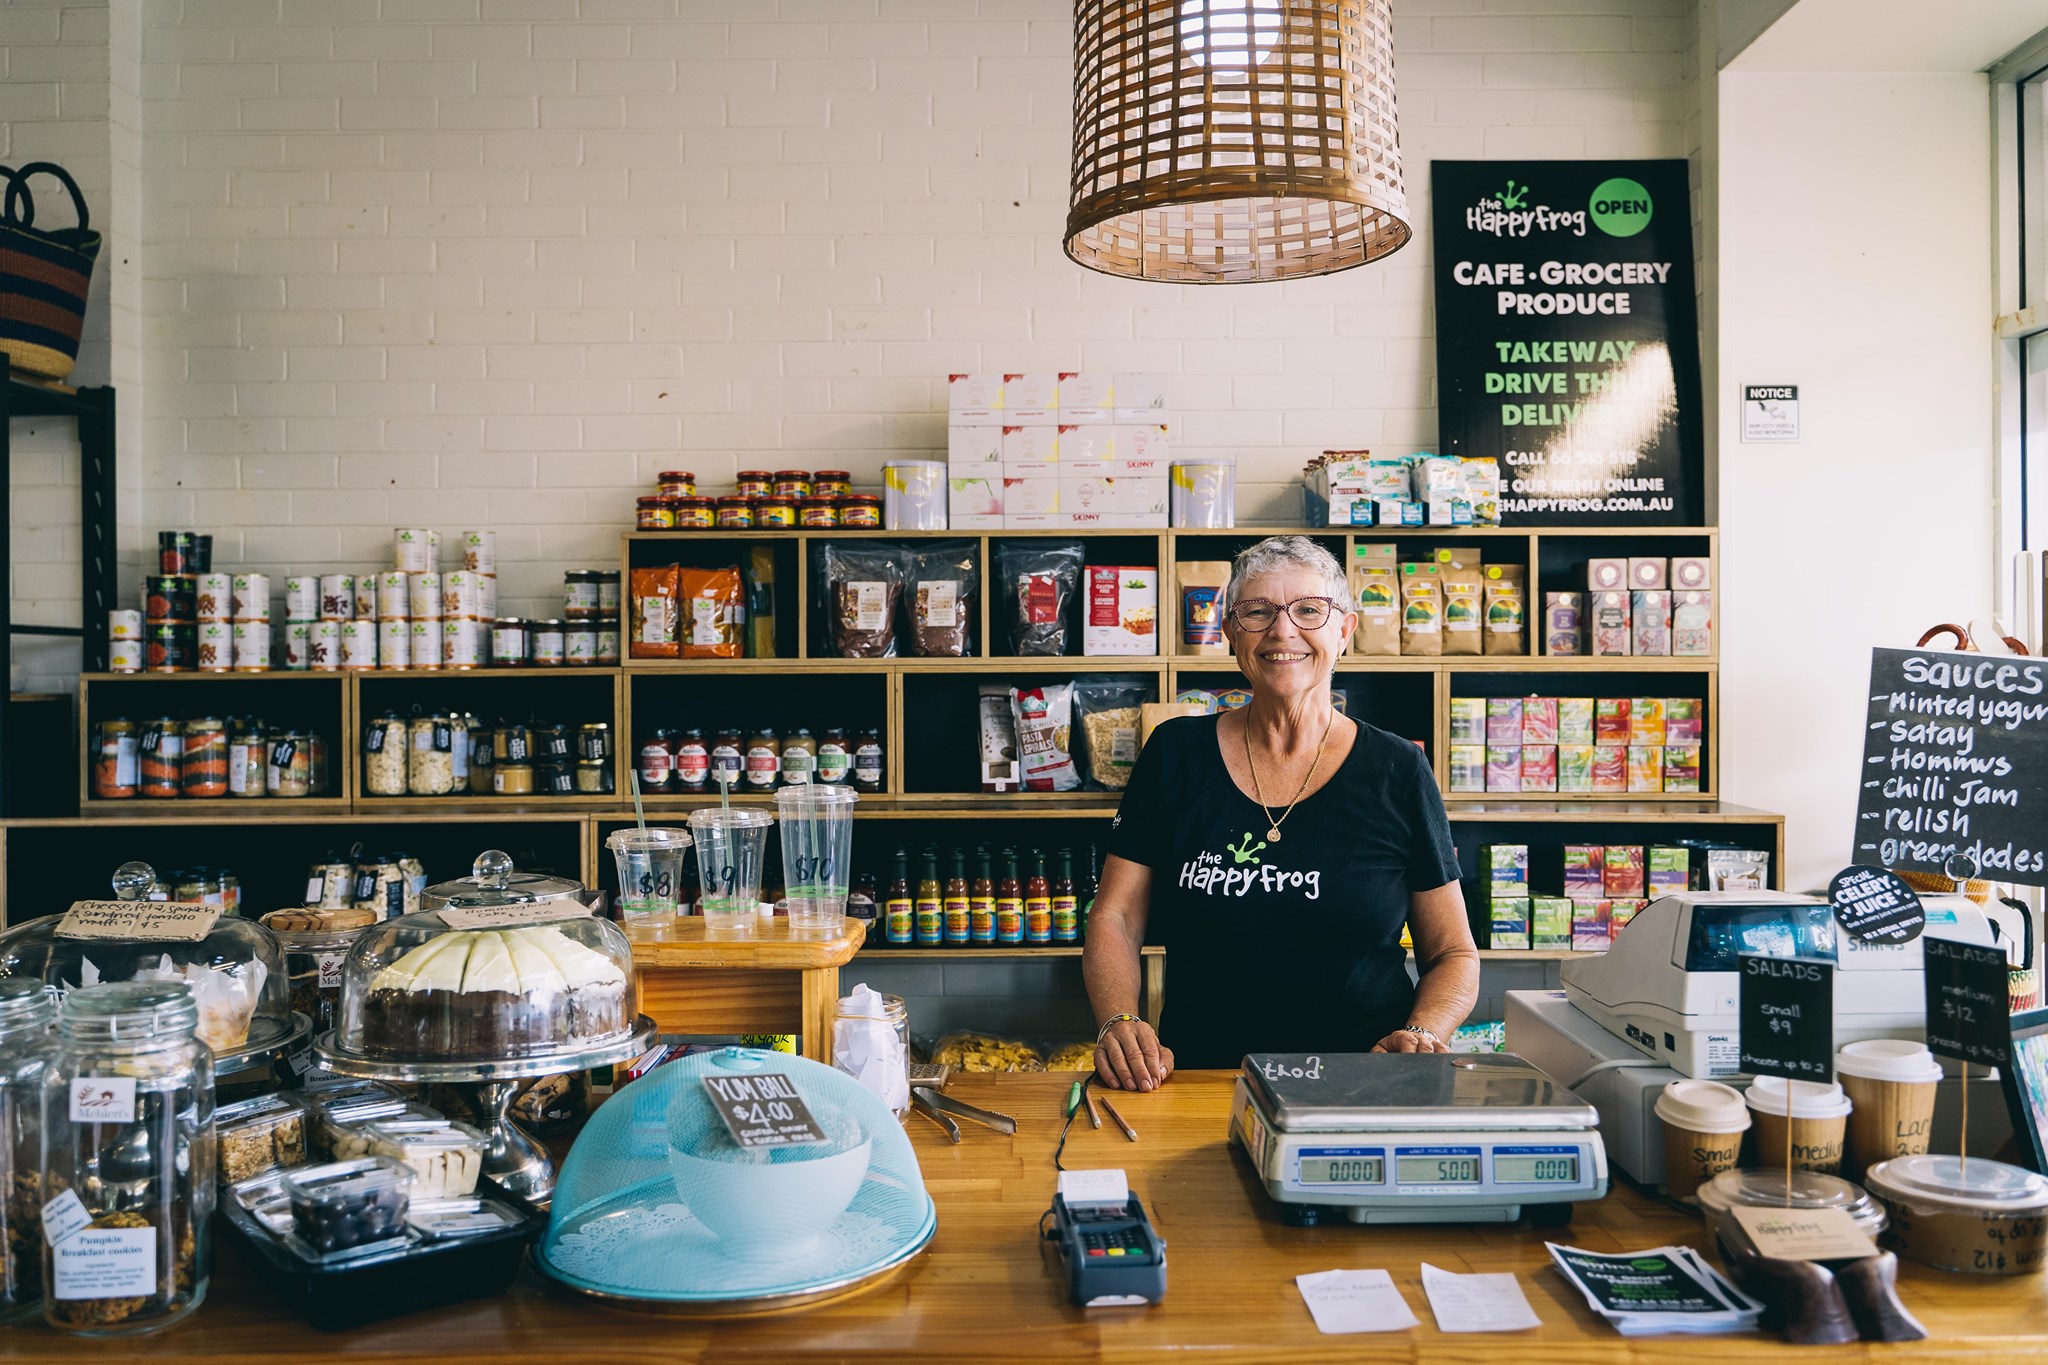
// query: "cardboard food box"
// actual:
[[1575, 768], [1504, 868], [1503, 720], [1575, 720], [1539, 767], [1550, 922], [970, 448], [1539, 720], [1510, 922], [1646, 767], [1606, 575], [1650, 623], [1611, 720], [1684, 720], [1590, 926], [1620, 912], [1504, 768], [1610, 769], [1468, 720], [1692, 624], [1468, 767], [1564, 630], [1621, 870], [1681, 767], [1648, 573], [1692, 573], [1646, 720], [1122, 610], [1610, 633], [1583, 872], [1667, 868]]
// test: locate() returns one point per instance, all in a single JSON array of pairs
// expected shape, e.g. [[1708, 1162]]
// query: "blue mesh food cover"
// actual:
[[657, 1201]]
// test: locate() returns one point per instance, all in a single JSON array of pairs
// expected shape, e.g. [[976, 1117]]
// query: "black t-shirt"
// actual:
[[1282, 947]]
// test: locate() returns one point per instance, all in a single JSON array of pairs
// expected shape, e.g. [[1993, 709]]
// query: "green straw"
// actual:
[[639, 811]]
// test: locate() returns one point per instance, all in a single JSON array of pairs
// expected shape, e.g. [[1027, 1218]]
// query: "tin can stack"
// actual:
[[585, 635]]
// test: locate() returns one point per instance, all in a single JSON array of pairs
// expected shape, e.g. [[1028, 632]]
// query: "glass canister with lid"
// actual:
[[386, 750], [290, 768], [248, 756], [314, 942], [28, 1010], [430, 755], [128, 1129], [380, 885], [331, 882]]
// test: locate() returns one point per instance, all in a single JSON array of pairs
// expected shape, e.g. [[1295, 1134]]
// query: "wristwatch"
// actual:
[[1420, 1032]]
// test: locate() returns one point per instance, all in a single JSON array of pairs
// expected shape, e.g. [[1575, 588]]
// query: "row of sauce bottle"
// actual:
[[695, 760], [1008, 899]]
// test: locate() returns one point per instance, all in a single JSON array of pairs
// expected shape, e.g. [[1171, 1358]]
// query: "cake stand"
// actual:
[[511, 1156]]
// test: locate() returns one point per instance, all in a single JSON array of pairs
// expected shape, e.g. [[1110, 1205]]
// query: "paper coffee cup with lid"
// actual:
[[1703, 1126], [1818, 1115], [1892, 1084]]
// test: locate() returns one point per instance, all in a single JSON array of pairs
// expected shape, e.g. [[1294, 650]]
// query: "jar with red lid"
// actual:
[[775, 512], [654, 514], [695, 514], [831, 483], [793, 483], [861, 510], [753, 483], [657, 762], [676, 483], [818, 512], [735, 513]]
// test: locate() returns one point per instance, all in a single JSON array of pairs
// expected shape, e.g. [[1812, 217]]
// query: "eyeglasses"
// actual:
[[1309, 613]]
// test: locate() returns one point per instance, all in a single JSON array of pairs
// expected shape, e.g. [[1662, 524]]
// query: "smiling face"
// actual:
[[1285, 661]]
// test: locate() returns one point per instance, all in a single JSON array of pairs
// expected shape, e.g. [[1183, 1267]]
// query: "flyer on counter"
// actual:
[[1477, 1303], [1664, 1289], [1355, 1301]]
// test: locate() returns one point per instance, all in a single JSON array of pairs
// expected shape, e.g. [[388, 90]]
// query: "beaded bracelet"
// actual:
[[1114, 1020]]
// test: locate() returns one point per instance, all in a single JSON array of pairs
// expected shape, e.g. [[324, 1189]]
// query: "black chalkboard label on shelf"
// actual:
[[1876, 906], [1968, 1002], [1787, 1016], [763, 1111], [1955, 761]]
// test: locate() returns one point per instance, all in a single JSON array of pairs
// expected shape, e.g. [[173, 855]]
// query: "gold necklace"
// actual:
[[1273, 825]]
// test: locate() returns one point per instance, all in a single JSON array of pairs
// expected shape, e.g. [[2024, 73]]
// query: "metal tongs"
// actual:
[[939, 1109]]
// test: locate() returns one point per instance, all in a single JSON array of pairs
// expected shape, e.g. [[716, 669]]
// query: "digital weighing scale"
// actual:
[[1418, 1137]]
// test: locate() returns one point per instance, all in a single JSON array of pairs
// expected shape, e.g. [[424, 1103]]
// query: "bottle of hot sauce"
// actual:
[[981, 901], [1009, 902], [957, 901], [931, 902], [898, 914], [1037, 901], [1066, 916]]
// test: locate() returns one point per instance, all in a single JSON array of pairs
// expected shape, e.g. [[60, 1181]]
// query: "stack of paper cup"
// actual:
[[1817, 1114], [1892, 1084], [1703, 1126]]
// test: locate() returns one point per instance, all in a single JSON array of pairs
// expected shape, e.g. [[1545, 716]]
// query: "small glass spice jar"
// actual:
[[144, 1172], [695, 514], [831, 483], [818, 513], [654, 514], [753, 483], [861, 510], [676, 483], [735, 513], [774, 512]]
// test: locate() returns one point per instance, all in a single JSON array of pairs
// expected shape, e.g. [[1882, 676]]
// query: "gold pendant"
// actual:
[[1273, 835]]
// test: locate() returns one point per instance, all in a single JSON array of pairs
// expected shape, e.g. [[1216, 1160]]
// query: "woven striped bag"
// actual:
[[45, 275]]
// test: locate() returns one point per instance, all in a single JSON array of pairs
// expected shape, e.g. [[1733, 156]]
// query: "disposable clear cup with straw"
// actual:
[[732, 845], [650, 876], [817, 853]]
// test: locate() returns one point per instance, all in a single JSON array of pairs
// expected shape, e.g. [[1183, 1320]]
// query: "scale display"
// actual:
[[1535, 1170], [1343, 1170], [1437, 1168]]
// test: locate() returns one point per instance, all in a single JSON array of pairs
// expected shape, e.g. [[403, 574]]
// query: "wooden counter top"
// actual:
[[986, 1291], [773, 946]]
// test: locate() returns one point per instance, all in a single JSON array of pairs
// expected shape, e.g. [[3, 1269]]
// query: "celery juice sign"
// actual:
[[1567, 338]]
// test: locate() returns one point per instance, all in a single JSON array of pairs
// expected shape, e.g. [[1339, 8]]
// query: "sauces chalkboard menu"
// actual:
[[1567, 337], [1955, 761]]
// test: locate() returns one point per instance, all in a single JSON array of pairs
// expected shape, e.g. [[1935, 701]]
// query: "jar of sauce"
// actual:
[[818, 512], [728, 759], [775, 512], [580, 644], [482, 758], [654, 514], [735, 513], [510, 642], [793, 483], [512, 779], [799, 758], [753, 483], [863, 510], [657, 764], [692, 760], [608, 641], [512, 743], [676, 483], [835, 759], [867, 760], [607, 593], [831, 483], [695, 514], [550, 643], [764, 759], [580, 595]]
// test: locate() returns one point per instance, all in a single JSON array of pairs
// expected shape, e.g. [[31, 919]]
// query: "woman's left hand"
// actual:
[[1401, 1040]]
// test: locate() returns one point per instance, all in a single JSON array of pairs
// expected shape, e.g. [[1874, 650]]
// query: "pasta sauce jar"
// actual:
[[736, 513], [695, 514], [775, 512], [861, 510], [753, 483], [818, 512], [654, 514], [676, 483]]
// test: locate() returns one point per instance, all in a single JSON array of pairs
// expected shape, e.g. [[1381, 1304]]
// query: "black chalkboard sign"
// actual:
[[1787, 1016], [1876, 906], [1955, 761], [1969, 1009], [763, 1111]]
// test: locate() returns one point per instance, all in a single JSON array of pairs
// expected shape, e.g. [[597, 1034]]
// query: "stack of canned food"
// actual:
[[457, 753], [586, 634], [192, 619], [761, 500], [205, 757]]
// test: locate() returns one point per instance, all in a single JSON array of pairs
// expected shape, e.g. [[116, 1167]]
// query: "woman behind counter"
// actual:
[[1279, 848]]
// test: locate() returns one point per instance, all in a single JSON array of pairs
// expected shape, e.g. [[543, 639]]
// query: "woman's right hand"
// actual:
[[1131, 1057]]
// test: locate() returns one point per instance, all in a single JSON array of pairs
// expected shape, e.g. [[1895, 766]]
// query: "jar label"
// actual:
[[314, 884], [155, 921], [106, 1263], [63, 1216], [509, 916], [103, 1099], [330, 969]]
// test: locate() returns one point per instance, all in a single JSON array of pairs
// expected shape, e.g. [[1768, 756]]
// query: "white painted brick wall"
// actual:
[[497, 262]]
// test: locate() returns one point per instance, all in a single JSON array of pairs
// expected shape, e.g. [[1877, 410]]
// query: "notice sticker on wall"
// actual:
[[1770, 413]]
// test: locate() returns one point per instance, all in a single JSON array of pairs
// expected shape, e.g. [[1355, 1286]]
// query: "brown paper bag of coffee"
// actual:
[[1377, 593], [1463, 609], [1422, 610], [1507, 624]]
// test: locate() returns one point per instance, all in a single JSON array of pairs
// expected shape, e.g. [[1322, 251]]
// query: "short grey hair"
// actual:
[[1288, 552]]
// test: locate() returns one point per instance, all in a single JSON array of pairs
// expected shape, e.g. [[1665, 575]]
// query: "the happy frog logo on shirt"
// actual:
[[1212, 875]]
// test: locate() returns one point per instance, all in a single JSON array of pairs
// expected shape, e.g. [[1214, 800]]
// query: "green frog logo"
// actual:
[[1248, 852]]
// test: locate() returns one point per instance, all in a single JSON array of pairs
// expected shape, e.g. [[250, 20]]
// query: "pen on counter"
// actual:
[[1094, 1116], [1129, 1132]]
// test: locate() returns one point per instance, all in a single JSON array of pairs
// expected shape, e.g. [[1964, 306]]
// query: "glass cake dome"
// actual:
[[660, 1204], [233, 966], [492, 975]]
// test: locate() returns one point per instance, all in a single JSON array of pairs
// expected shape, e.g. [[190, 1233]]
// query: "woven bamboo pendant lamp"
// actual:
[[1234, 141]]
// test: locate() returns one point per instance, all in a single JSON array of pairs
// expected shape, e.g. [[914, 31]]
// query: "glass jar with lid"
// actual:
[[654, 513], [386, 746], [735, 513], [579, 644], [832, 483], [550, 643], [331, 882], [676, 483], [379, 885], [28, 1010], [289, 771], [313, 943], [875, 1028], [509, 642], [415, 881], [162, 751], [248, 757], [205, 765], [608, 641], [607, 593], [482, 752], [116, 770], [579, 591], [128, 1128], [430, 757]]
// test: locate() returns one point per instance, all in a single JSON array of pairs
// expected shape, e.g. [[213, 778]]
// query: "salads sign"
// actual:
[[1567, 337]]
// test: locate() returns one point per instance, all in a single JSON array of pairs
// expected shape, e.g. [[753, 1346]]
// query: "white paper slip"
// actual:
[[1477, 1303], [1355, 1301]]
